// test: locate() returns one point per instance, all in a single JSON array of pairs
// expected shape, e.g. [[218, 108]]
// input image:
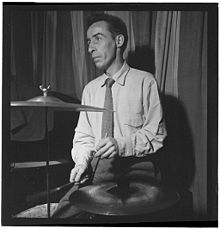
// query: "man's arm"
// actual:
[[83, 144]]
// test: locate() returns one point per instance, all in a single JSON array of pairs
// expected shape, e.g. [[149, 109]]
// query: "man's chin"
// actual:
[[100, 66]]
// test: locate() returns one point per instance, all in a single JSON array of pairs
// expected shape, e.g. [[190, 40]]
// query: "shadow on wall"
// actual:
[[176, 158], [142, 58]]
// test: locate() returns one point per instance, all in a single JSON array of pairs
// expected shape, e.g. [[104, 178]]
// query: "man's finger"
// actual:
[[73, 174], [101, 143], [104, 149], [112, 155], [84, 179], [79, 174], [108, 152]]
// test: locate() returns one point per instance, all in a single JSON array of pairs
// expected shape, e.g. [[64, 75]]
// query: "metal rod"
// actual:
[[47, 162]]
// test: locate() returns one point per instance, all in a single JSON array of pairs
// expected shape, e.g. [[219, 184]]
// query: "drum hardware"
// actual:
[[50, 102]]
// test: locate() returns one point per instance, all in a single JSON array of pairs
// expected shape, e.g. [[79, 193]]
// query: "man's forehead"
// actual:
[[97, 27]]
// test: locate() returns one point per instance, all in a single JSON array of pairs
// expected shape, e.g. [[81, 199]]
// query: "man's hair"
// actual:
[[116, 25]]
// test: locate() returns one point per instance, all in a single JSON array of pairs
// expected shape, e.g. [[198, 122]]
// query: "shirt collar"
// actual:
[[119, 76]]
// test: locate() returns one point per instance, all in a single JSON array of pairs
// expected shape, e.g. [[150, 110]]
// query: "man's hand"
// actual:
[[107, 148], [77, 174]]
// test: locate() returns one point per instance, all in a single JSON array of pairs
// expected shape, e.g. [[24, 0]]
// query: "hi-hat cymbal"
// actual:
[[137, 199], [54, 103]]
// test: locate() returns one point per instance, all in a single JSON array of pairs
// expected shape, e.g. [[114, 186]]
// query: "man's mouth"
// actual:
[[95, 58]]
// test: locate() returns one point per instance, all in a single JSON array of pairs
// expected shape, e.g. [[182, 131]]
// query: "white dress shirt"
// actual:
[[139, 127]]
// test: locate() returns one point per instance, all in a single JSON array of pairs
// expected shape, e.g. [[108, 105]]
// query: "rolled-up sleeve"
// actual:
[[149, 138], [83, 142]]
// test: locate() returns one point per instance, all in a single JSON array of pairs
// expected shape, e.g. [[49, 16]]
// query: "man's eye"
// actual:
[[94, 40], [97, 38]]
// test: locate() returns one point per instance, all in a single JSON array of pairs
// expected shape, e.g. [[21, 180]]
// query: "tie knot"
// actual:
[[109, 82]]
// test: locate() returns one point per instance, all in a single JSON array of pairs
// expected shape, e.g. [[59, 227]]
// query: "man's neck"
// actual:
[[115, 67]]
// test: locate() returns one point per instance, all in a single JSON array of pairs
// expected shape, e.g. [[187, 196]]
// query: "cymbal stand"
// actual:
[[45, 91], [47, 162]]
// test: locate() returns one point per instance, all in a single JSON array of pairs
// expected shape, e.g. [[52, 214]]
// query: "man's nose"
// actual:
[[91, 48]]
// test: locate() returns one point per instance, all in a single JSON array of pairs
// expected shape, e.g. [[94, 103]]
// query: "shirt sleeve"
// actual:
[[149, 139], [83, 142]]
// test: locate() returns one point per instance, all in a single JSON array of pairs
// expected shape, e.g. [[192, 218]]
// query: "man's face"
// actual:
[[101, 45]]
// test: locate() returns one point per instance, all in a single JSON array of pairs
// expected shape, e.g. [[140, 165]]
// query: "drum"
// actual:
[[39, 211]]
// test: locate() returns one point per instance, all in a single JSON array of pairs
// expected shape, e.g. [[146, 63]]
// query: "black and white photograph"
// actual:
[[109, 114]]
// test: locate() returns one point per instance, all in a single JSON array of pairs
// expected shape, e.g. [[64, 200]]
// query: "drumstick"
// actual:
[[43, 194], [106, 134]]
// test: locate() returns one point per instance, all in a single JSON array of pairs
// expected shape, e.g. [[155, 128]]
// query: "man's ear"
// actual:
[[119, 40]]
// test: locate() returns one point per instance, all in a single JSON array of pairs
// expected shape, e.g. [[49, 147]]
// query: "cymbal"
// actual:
[[54, 103], [137, 199]]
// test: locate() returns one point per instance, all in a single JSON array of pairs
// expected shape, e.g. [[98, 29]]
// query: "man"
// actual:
[[139, 128]]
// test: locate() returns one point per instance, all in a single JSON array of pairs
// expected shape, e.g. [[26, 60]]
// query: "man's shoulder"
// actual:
[[144, 75], [95, 82]]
